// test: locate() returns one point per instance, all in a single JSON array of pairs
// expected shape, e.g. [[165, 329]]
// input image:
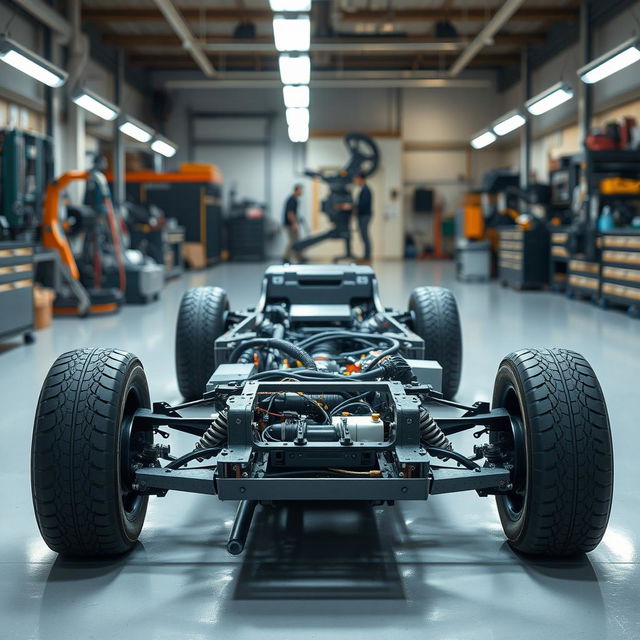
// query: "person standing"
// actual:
[[291, 224], [364, 211]]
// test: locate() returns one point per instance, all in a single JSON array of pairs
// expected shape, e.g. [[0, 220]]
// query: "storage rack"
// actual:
[[620, 276], [558, 258], [523, 257], [606, 253], [584, 278], [16, 290]]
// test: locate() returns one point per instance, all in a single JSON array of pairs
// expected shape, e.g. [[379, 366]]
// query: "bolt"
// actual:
[[243, 489], [404, 489]]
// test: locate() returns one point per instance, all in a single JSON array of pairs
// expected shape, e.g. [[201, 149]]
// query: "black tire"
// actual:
[[436, 320], [83, 501], [562, 453], [201, 321]]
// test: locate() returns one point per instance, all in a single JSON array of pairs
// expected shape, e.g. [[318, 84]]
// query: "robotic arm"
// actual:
[[365, 158]]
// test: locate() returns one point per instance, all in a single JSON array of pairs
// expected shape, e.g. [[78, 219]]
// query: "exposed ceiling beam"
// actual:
[[189, 42], [181, 61], [501, 17], [477, 14], [193, 14], [197, 14], [330, 79], [266, 45]]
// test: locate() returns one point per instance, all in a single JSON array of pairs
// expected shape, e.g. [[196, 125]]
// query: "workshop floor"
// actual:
[[438, 569]]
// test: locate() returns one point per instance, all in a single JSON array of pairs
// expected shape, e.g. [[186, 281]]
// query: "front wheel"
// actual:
[[561, 451], [436, 320], [201, 321], [83, 450]]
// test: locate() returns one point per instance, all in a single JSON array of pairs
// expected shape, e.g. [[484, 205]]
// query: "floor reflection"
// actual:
[[318, 551]]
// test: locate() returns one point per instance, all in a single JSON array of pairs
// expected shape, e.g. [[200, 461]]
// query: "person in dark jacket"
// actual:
[[364, 211], [291, 224]]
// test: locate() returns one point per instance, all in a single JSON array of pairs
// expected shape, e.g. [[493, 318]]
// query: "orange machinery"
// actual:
[[83, 298]]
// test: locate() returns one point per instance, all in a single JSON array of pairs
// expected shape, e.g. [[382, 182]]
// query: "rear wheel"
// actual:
[[83, 449], [201, 321], [435, 319], [560, 447]]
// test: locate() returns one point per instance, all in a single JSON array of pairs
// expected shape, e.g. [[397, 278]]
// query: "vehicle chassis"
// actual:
[[408, 471]]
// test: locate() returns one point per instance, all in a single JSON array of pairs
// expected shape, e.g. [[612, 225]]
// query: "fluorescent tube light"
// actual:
[[483, 139], [296, 96], [608, 64], [95, 104], [164, 147], [31, 63], [298, 117], [136, 130], [292, 34], [298, 133], [549, 99], [290, 5], [295, 69], [508, 123]]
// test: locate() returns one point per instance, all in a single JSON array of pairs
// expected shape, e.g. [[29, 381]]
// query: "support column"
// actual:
[[525, 131], [48, 91], [74, 159], [585, 98], [119, 190]]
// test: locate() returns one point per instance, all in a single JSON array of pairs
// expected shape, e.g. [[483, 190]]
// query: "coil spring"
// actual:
[[430, 432], [216, 434]]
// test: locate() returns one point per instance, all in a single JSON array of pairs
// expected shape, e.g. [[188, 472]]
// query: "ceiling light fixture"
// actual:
[[31, 63], [295, 69], [508, 123], [549, 99], [296, 96], [298, 133], [298, 117], [292, 34], [164, 147], [136, 130], [290, 5], [483, 139], [93, 103], [612, 62]]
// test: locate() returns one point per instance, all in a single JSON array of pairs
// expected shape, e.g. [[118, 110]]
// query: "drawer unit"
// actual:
[[583, 278], [523, 257], [558, 259], [16, 289], [621, 269]]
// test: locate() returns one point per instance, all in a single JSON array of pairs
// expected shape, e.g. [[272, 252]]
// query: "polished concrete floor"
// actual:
[[438, 569]]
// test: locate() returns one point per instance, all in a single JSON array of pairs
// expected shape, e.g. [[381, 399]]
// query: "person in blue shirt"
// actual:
[[291, 223], [364, 212]]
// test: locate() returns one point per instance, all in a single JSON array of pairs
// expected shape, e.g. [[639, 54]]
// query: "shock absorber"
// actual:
[[430, 432], [216, 434]]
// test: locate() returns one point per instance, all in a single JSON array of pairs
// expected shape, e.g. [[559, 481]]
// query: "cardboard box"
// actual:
[[194, 255], [42, 307]]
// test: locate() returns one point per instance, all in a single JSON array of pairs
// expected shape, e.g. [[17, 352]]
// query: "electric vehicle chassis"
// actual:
[[320, 393]]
